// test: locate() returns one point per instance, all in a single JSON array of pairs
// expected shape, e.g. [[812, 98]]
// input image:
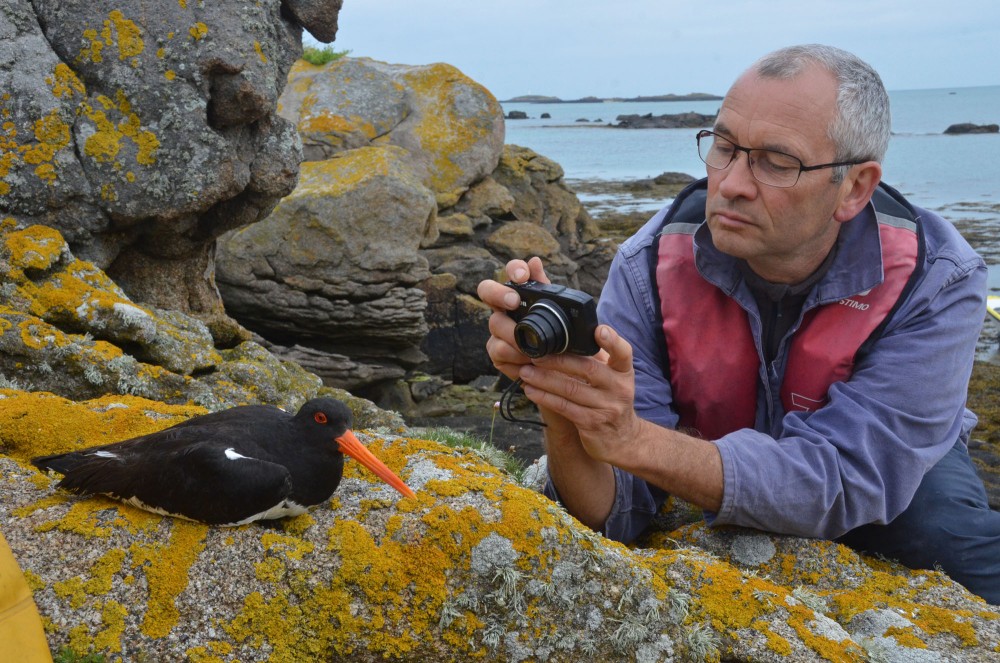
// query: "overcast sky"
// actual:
[[625, 48]]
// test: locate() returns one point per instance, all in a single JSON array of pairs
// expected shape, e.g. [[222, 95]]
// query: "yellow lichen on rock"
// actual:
[[106, 142], [443, 131], [36, 423], [166, 568]]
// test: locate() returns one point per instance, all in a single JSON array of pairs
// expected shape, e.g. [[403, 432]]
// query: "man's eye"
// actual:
[[723, 148], [774, 161]]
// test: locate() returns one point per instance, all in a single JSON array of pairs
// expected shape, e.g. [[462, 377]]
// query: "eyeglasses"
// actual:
[[768, 166]]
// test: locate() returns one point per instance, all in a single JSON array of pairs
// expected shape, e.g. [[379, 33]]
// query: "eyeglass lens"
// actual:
[[768, 167]]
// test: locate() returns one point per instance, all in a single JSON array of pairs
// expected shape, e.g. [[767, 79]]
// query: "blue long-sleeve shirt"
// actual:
[[860, 458]]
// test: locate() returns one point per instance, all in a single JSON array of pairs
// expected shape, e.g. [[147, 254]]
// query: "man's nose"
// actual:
[[738, 179]]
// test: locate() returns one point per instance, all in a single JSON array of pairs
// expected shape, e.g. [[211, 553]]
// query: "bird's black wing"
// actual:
[[200, 482]]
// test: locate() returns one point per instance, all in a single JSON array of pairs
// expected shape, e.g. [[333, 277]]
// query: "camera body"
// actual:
[[553, 319]]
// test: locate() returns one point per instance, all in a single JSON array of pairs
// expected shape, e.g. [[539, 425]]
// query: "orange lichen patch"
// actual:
[[35, 247], [213, 652], [905, 637], [85, 517], [166, 568], [292, 547], [260, 51], [443, 132], [93, 51], [198, 31], [116, 31], [106, 142], [129, 35], [39, 423], [102, 573], [730, 598], [50, 134], [109, 639], [64, 82]]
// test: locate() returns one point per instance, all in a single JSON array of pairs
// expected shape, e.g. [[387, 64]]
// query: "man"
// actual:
[[788, 346]]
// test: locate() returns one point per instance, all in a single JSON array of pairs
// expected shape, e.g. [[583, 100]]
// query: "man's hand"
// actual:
[[501, 346], [595, 393]]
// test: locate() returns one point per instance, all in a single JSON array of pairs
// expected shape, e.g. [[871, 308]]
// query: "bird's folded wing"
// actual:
[[209, 483]]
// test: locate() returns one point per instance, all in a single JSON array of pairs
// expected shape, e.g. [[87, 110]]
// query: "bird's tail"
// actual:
[[61, 463]]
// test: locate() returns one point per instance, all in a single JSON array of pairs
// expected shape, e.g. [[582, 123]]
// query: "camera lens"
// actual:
[[543, 330]]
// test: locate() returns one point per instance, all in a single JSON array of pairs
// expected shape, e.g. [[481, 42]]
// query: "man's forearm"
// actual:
[[684, 466], [586, 486], [687, 467]]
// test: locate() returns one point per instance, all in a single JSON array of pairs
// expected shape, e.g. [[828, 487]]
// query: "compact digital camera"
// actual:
[[553, 319]]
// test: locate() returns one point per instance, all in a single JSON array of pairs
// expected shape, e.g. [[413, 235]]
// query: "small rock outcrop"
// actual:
[[144, 131], [689, 120], [970, 128], [67, 329], [474, 567]]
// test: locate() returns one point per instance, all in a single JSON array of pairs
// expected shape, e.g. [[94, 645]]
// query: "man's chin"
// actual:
[[731, 239]]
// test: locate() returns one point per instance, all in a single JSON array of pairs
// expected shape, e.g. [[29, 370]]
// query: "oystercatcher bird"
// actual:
[[231, 467]]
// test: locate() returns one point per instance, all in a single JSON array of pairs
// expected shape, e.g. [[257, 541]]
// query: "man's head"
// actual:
[[862, 125], [818, 106]]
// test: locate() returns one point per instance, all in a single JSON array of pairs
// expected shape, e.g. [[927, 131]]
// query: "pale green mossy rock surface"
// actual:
[[474, 568]]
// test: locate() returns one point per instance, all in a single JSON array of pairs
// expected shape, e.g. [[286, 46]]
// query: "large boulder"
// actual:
[[451, 126], [474, 567], [144, 131], [336, 265], [407, 200]]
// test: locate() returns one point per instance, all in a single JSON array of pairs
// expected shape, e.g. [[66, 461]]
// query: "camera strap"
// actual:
[[506, 404]]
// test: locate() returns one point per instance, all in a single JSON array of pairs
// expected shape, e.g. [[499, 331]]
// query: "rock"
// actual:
[[474, 567], [546, 116], [142, 133], [984, 447], [517, 115], [406, 171], [689, 120], [969, 128], [66, 328], [336, 265], [450, 126]]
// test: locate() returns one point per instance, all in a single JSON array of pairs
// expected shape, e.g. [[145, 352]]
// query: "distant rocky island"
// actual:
[[542, 99]]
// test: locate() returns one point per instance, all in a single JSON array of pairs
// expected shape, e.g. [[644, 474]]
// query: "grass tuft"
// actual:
[[320, 56], [503, 460]]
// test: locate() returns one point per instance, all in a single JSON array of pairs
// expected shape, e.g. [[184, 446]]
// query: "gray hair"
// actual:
[[861, 128]]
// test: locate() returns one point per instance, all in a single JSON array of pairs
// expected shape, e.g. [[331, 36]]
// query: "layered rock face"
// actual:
[[407, 199], [144, 131]]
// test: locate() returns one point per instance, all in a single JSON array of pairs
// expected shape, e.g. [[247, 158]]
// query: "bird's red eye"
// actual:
[[320, 418]]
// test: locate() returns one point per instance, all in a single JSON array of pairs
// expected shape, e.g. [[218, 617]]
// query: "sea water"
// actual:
[[947, 173]]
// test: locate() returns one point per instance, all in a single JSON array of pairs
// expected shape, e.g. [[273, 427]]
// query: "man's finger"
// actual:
[[619, 350]]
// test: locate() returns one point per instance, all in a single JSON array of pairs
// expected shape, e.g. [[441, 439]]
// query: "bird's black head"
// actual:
[[332, 416], [325, 414]]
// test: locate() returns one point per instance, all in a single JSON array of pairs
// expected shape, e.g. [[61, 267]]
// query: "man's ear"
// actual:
[[857, 187]]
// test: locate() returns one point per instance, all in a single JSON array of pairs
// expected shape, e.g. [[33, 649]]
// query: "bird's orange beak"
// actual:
[[351, 446]]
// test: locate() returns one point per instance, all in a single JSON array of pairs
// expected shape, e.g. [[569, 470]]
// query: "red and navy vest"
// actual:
[[714, 364]]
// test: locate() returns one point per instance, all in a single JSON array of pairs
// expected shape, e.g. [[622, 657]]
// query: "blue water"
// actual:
[[935, 170], [932, 169]]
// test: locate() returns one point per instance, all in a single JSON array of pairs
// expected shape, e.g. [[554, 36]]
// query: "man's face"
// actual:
[[783, 234]]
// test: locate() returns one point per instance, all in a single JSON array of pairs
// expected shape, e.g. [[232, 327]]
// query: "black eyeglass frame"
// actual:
[[704, 133]]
